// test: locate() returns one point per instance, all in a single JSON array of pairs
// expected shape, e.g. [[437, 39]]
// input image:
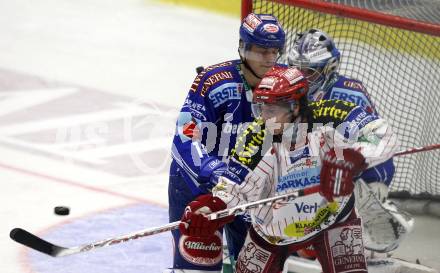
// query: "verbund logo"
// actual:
[[306, 208]]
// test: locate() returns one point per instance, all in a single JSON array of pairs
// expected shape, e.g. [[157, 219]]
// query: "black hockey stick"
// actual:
[[32, 241]]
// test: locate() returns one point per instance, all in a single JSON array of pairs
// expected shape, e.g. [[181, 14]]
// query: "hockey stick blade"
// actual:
[[32, 241], [28, 239]]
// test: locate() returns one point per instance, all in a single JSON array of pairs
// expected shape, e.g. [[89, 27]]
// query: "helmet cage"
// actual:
[[315, 53]]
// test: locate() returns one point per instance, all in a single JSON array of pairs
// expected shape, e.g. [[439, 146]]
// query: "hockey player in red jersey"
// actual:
[[295, 145], [221, 97]]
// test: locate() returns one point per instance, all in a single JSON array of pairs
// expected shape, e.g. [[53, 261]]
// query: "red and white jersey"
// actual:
[[282, 167]]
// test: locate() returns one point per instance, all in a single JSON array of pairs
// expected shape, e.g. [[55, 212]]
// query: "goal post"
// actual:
[[394, 49], [344, 11]]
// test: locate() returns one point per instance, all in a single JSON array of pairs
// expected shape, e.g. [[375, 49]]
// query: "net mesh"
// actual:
[[401, 71], [420, 10]]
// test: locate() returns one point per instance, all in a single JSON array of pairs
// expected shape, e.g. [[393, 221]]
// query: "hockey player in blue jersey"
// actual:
[[214, 112], [315, 53]]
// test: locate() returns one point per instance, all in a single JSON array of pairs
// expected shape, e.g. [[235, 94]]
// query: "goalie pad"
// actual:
[[384, 225]]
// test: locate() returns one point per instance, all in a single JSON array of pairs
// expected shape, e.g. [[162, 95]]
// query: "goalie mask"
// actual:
[[281, 88], [316, 55]]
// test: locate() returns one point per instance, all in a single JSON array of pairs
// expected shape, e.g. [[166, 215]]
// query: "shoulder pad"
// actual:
[[212, 75], [349, 83], [330, 111]]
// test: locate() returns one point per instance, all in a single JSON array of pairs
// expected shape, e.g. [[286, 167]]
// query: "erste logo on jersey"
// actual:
[[353, 96], [225, 92]]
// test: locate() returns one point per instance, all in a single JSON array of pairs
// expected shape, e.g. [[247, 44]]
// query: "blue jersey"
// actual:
[[339, 87], [352, 90], [216, 109]]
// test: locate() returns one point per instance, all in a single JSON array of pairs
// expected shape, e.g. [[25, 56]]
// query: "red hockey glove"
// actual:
[[337, 175], [193, 221]]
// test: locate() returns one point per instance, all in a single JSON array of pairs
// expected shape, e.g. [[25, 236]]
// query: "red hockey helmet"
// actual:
[[281, 85]]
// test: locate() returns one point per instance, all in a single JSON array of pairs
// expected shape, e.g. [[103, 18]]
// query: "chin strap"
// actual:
[[248, 67]]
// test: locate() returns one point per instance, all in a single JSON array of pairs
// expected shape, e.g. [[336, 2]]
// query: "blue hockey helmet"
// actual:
[[263, 30], [316, 55]]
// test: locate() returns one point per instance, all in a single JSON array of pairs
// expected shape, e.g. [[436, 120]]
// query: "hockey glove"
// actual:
[[210, 171], [337, 175], [194, 223]]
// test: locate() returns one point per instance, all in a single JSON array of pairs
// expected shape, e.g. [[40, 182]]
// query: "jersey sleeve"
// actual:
[[351, 90], [369, 134], [250, 168], [382, 172], [195, 122], [365, 99]]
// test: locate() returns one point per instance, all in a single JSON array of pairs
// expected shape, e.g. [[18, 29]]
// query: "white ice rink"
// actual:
[[89, 93]]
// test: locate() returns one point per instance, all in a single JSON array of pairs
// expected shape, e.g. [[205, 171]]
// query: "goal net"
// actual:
[[393, 47]]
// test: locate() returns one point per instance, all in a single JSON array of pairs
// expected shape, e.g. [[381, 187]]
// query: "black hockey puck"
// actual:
[[61, 210]]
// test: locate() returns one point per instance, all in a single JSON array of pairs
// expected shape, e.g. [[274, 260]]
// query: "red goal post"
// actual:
[[394, 49], [354, 13]]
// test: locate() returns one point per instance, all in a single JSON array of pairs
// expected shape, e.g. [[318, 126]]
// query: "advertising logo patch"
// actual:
[[298, 154], [202, 251], [198, 79], [356, 97], [251, 22], [217, 77], [253, 259], [293, 76], [347, 248], [299, 179], [187, 127], [271, 28], [304, 227], [225, 92]]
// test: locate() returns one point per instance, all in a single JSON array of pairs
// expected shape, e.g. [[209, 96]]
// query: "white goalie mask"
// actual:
[[316, 55]]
